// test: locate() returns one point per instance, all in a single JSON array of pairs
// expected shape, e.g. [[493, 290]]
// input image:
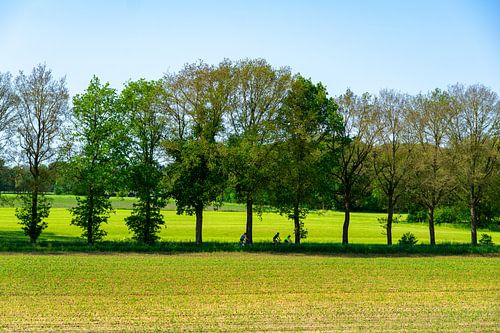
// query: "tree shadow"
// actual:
[[16, 236]]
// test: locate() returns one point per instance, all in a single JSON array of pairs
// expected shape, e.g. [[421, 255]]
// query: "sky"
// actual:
[[411, 46]]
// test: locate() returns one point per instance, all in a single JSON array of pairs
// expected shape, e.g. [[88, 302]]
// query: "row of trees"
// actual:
[[272, 137]]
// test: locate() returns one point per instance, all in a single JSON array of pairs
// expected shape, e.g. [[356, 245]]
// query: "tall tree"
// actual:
[[7, 121], [197, 98], [7, 112], [42, 103], [475, 139], [142, 100], [350, 146], [392, 157], [301, 120], [260, 91], [429, 119], [95, 141]]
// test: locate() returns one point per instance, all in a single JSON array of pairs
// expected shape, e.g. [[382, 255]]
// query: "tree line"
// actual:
[[266, 135]]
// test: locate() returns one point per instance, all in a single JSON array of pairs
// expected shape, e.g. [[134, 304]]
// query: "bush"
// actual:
[[450, 215], [417, 216], [408, 239], [485, 240]]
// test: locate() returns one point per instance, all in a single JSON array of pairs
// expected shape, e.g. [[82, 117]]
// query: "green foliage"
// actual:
[[95, 146], [297, 173], [486, 240], [141, 100], [146, 221], [451, 215], [417, 216], [33, 225], [197, 177], [408, 239], [89, 214]]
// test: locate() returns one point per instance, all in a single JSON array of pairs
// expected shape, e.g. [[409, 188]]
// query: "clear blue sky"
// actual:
[[366, 45]]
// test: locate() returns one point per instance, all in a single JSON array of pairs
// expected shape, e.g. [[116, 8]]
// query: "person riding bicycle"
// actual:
[[243, 239], [276, 238]]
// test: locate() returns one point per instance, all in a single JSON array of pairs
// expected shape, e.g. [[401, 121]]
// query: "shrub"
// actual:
[[417, 216], [408, 239], [450, 215], [485, 240]]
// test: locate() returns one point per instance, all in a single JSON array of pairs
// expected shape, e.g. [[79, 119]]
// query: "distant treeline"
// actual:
[[247, 132]]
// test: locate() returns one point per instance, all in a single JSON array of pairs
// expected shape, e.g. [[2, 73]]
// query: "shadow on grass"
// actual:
[[15, 241], [18, 236]]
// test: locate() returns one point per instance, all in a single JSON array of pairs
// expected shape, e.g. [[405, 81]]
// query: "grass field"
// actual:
[[248, 292], [227, 226]]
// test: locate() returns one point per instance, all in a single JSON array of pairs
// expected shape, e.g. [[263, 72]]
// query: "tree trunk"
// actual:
[[473, 223], [347, 219], [34, 215], [249, 219], [296, 222], [90, 236], [148, 239], [199, 223], [390, 214], [431, 226]]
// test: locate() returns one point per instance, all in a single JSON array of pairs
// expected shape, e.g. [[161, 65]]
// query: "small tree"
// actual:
[[41, 105]]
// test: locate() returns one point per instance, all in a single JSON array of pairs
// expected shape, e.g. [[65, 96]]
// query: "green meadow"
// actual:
[[248, 292], [228, 222]]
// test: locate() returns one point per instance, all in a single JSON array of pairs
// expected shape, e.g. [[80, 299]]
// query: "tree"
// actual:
[[142, 101], [474, 137], [260, 91], [301, 121], [7, 120], [350, 147], [392, 157], [7, 113], [95, 137], [42, 103], [429, 120], [197, 98]]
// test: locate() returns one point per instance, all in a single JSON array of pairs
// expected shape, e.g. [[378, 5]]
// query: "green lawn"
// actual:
[[248, 292], [227, 226], [228, 223]]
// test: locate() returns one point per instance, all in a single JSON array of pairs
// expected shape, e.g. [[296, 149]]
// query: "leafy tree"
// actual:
[[260, 91], [196, 99], [350, 146], [7, 113], [42, 103], [432, 181], [7, 120], [392, 157], [475, 141], [301, 123], [142, 100], [95, 135]]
